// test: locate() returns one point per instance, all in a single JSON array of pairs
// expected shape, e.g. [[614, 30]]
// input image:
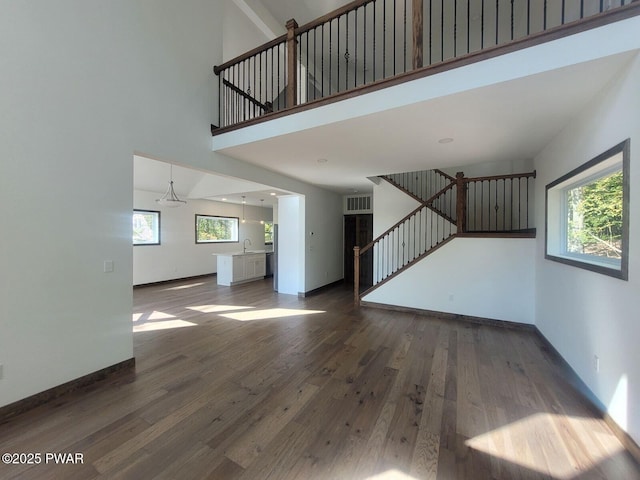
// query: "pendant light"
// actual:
[[170, 199], [243, 203], [262, 211]]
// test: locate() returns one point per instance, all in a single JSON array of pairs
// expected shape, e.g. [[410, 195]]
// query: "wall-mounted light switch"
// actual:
[[108, 266]]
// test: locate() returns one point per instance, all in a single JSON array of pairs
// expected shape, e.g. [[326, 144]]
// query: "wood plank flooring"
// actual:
[[240, 383]]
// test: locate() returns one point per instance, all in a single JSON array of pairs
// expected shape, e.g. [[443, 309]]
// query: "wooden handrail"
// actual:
[[447, 176], [501, 177], [265, 46], [426, 204], [338, 12]]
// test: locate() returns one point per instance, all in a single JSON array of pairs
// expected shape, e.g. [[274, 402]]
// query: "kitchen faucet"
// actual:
[[244, 247]]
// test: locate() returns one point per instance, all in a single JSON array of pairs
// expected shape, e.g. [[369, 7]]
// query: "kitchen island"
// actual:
[[241, 267]]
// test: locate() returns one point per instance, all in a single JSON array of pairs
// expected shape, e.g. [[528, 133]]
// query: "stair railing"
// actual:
[[368, 41], [500, 205]]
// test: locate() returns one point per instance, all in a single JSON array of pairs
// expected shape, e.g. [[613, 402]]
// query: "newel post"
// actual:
[[461, 203], [417, 23], [356, 276], [292, 63]]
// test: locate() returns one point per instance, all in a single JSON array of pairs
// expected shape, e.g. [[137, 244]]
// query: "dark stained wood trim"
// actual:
[[338, 12], [418, 32], [627, 442], [579, 26], [182, 279], [401, 188], [502, 177], [321, 289], [219, 68], [445, 175], [21, 406], [454, 317], [413, 262]]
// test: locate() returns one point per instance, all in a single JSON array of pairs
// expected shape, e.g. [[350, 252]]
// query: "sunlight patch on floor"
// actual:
[[392, 475], [511, 443], [182, 287], [268, 314], [217, 308], [165, 325]]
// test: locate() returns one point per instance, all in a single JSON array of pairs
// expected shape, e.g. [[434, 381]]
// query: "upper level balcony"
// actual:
[[368, 45]]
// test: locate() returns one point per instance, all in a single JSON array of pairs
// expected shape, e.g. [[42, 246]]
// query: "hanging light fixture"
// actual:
[[262, 211], [243, 203], [170, 199]]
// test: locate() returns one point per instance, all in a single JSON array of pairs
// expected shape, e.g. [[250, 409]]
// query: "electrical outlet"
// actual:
[[596, 363], [108, 266]]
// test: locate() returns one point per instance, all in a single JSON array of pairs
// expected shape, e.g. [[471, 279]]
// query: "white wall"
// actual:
[[584, 313], [291, 247], [178, 256], [481, 277], [390, 204], [239, 32], [84, 85]]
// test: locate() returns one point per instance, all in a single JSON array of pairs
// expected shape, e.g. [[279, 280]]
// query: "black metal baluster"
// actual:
[[384, 38], [482, 205], [519, 202], [346, 55], [374, 41], [581, 8], [442, 30], [468, 26], [330, 50], [355, 50], [504, 204], [394, 38], [455, 28], [482, 27], [512, 19], [528, 17], [430, 31], [544, 18], [563, 12], [322, 62], [364, 47], [338, 56], [497, 22], [404, 32]]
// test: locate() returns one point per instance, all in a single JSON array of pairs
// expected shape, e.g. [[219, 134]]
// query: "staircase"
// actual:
[[449, 207]]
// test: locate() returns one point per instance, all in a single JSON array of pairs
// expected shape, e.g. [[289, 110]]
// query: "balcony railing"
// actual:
[[370, 41]]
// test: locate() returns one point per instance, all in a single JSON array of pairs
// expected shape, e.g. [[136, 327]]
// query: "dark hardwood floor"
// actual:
[[243, 383]]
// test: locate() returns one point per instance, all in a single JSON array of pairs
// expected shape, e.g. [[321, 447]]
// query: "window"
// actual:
[[588, 215], [210, 229], [268, 233], [146, 227]]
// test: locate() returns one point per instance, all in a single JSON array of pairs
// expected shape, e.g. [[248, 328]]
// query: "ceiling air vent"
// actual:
[[357, 204]]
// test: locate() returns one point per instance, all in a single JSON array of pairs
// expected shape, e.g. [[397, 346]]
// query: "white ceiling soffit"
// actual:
[[153, 176], [507, 121]]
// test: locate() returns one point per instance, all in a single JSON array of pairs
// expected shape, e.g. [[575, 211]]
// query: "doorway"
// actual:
[[358, 230]]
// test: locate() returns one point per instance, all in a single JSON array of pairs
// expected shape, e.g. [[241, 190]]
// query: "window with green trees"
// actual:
[[213, 229], [587, 214], [268, 233], [146, 227]]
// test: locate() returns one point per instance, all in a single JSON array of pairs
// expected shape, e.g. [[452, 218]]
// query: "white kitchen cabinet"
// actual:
[[235, 268]]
